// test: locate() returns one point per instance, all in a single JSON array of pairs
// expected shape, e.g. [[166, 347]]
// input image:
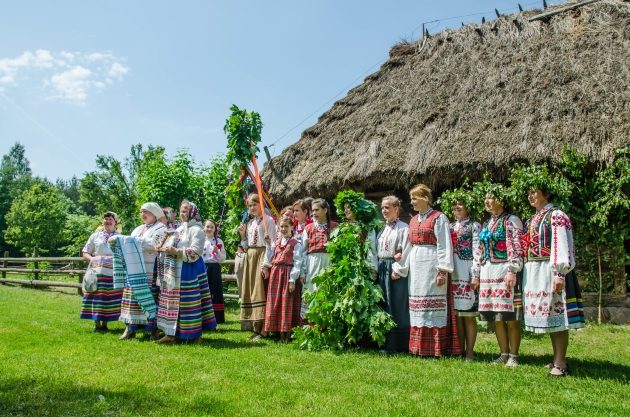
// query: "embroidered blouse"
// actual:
[[189, 242], [464, 236], [294, 257], [441, 235], [549, 237], [97, 244], [392, 238], [209, 255], [499, 242], [255, 237]]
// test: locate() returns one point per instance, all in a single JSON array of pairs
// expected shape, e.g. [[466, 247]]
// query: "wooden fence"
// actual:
[[35, 272]]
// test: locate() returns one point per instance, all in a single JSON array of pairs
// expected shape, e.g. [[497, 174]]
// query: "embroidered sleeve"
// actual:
[[403, 239], [270, 249], [444, 244], [90, 247], [476, 228], [478, 254], [272, 228], [562, 252], [220, 255], [402, 267], [193, 251], [296, 270], [514, 241]]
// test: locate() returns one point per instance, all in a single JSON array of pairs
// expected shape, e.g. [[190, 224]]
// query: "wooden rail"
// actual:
[[36, 272]]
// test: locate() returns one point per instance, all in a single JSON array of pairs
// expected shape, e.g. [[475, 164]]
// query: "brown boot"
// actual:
[[167, 340]]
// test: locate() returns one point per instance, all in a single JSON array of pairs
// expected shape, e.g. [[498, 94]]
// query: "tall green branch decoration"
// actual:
[[344, 309], [243, 130]]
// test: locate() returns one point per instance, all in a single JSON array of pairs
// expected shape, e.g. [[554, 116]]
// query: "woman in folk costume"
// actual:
[[282, 267], [314, 239], [253, 287], [185, 306], [465, 235], [103, 304], [427, 261], [497, 261], [213, 255], [301, 217], [392, 238], [551, 294], [134, 312]]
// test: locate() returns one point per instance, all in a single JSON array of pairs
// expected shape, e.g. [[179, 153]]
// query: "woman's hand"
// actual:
[[395, 276], [510, 279], [242, 229], [474, 284], [291, 286], [265, 272], [111, 240], [441, 278], [302, 279], [398, 256]]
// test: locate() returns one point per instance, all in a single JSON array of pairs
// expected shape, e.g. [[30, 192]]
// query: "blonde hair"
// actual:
[[253, 198], [392, 199], [423, 192], [286, 220]]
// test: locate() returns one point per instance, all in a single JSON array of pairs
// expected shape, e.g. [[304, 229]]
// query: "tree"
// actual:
[[36, 219], [76, 231], [15, 177], [113, 185]]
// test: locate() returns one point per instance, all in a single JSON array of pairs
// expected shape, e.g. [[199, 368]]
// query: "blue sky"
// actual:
[[81, 78]]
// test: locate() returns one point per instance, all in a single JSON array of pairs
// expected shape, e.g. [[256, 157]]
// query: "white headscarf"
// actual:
[[153, 208]]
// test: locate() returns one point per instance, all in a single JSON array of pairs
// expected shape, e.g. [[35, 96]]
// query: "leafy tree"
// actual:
[[15, 177], [37, 218], [76, 231], [113, 185]]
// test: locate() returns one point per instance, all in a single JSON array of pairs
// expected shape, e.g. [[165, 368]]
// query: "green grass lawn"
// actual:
[[52, 364]]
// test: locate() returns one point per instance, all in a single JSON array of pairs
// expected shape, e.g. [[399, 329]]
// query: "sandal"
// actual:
[[552, 365], [512, 362], [501, 360], [563, 372]]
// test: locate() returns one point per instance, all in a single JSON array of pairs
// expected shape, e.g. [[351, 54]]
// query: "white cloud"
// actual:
[[66, 76], [72, 85]]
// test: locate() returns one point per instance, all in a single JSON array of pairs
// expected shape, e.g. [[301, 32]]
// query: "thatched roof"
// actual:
[[465, 101]]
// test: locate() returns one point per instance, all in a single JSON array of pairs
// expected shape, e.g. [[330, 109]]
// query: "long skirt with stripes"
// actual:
[[437, 341], [282, 312], [193, 300], [253, 290], [104, 303], [132, 313], [215, 282]]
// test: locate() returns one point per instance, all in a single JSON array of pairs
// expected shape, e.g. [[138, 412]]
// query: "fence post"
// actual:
[[4, 263], [35, 264]]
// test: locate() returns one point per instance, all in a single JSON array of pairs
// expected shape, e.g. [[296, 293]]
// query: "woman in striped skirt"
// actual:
[[102, 305], [185, 305]]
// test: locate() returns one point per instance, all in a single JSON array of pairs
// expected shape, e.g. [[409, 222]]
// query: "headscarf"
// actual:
[[154, 209], [193, 215]]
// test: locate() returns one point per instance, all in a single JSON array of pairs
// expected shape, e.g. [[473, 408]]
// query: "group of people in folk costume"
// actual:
[[158, 279], [436, 276]]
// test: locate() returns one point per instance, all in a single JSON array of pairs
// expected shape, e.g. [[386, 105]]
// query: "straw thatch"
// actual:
[[476, 99]]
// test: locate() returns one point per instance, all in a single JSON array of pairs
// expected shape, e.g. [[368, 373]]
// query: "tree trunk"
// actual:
[[601, 286]]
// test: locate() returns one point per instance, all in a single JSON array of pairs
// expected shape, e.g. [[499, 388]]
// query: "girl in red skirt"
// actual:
[[283, 262]]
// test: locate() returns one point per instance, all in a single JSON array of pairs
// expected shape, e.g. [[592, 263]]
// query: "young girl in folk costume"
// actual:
[[427, 261], [149, 235], [253, 288], [185, 306], [551, 294], [103, 304], [282, 267], [392, 238], [213, 255], [497, 259], [314, 239], [465, 235], [301, 216]]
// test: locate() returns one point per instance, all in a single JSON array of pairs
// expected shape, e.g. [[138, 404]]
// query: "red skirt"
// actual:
[[282, 307], [437, 341]]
